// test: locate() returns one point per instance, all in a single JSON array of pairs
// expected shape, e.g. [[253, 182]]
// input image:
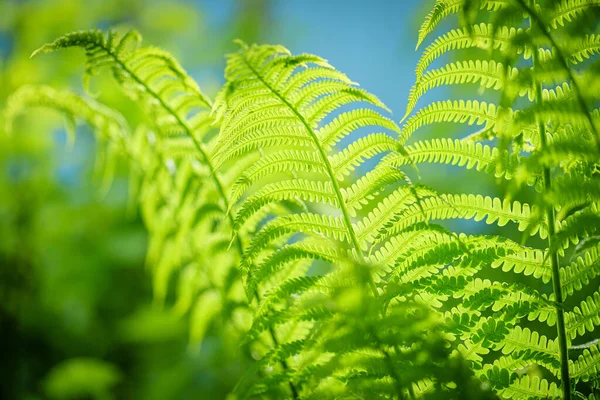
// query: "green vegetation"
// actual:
[[286, 215]]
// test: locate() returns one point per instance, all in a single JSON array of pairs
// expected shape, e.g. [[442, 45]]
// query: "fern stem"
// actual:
[[557, 289], [282, 361], [556, 285], [390, 364]]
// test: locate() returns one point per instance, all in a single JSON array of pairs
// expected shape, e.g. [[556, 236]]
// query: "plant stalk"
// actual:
[[556, 284]]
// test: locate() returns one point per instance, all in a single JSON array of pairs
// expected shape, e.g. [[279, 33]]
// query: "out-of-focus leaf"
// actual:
[[82, 378]]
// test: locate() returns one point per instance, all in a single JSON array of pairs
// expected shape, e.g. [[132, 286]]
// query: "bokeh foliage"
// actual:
[[77, 318]]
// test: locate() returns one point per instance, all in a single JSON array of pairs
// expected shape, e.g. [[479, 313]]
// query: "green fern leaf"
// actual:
[[367, 187], [467, 154], [493, 210], [283, 96], [316, 224], [307, 190], [444, 8], [568, 10], [394, 203], [488, 74], [287, 255], [585, 317], [580, 272], [279, 162], [460, 111], [584, 49], [346, 161], [531, 388], [110, 125], [587, 365], [484, 36]]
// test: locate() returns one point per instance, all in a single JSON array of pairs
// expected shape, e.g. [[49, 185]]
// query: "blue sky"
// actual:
[[373, 42]]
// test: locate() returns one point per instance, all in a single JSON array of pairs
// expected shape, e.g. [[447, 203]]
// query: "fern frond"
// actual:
[[287, 255], [488, 74], [307, 190], [587, 365], [477, 207], [425, 257], [580, 272], [560, 106], [520, 339], [164, 197], [527, 261], [550, 144], [444, 8], [568, 10], [149, 75], [467, 154], [484, 36], [110, 127], [347, 160], [347, 122], [389, 251], [584, 49], [392, 204], [585, 317], [109, 124], [291, 95], [153, 78], [287, 109], [418, 248], [471, 112], [316, 224], [579, 225], [279, 162], [528, 387], [441, 10], [367, 187]]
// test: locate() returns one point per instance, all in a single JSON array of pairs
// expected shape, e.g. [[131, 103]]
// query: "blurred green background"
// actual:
[[76, 313], [77, 319]]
